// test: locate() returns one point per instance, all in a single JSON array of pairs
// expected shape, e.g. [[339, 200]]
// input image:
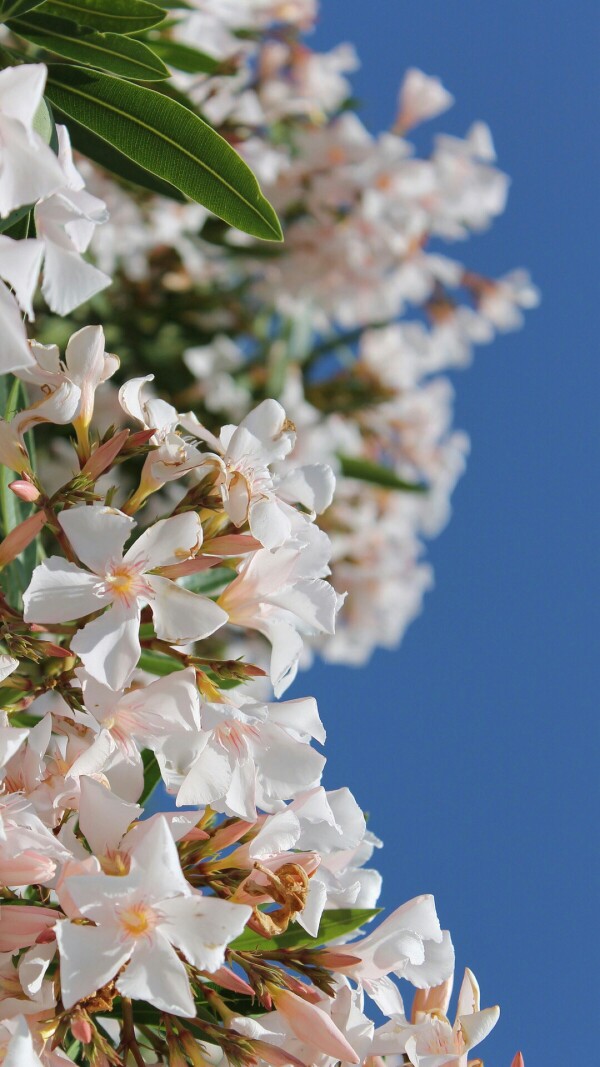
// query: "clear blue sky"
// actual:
[[475, 746]]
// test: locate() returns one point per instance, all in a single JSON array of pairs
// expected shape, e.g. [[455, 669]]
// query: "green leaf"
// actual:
[[151, 775], [10, 10], [120, 55], [183, 57], [114, 16], [15, 217], [107, 156], [376, 474], [211, 582], [166, 139], [157, 664], [334, 923]]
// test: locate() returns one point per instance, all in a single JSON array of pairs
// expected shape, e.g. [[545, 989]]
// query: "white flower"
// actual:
[[28, 167], [421, 97], [247, 755], [109, 646], [141, 919]]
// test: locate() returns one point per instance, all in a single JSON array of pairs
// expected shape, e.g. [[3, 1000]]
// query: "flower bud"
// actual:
[[22, 535], [25, 490]]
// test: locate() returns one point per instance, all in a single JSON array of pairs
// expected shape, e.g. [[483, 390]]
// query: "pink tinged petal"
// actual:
[[21, 926], [307, 1019], [20, 263], [240, 798], [300, 716], [207, 780], [59, 407], [468, 996], [237, 499], [89, 957], [269, 523], [109, 647], [477, 1026], [157, 975], [14, 352], [180, 615], [97, 534], [167, 541], [86, 363], [223, 976], [20, 1051], [93, 760], [60, 591], [437, 964], [156, 856], [68, 279], [21, 90], [30, 170], [174, 700], [285, 767], [103, 816], [201, 927], [312, 486], [311, 600]]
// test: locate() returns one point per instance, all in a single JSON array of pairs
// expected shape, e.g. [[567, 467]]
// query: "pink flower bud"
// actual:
[[81, 1028], [27, 868], [101, 459], [308, 1021], [189, 566], [223, 976], [518, 1061], [232, 545], [25, 490], [22, 926], [22, 535]]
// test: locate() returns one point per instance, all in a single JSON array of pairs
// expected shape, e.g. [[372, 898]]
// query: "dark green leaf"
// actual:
[[155, 663], [107, 156], [376, 474], [210, 582], [12, 8], [334, 923], [183, 57], [168, 140], [114, 16], [15, 217], [151, 775], [110, 51]]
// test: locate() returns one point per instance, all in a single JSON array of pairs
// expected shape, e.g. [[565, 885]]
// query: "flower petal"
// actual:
[[60, 591], [167, 541], [89, 957], [201, 927], [157, 975], [180, 615], [96, 533], [109, 647]]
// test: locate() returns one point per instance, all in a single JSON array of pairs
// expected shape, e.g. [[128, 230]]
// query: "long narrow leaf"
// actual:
[[376, 474], [168, 140], [10, 10], [114, 16], [334, 923], [183, 57], [109, 51], [107, 156]]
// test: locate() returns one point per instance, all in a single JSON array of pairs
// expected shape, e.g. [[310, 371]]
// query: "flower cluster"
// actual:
[[177, 886]]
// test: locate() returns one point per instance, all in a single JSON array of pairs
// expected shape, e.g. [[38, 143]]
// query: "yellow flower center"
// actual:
[[138, 920]]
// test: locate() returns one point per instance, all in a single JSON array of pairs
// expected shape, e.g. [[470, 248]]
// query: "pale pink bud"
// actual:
[[22, 926], [22, 535], [189, 566], [308, 1021], [81, 1028], [25, 490], [27, 868], [230, 980], [518, 1061], [102, 458], [336, 961], [228, 835]]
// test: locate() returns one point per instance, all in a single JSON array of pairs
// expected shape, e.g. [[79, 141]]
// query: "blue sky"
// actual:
[[475, 746]]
